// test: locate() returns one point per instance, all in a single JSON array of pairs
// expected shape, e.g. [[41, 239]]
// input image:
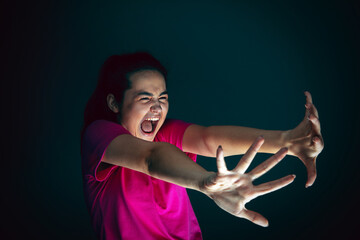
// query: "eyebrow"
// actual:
[[150, 94]]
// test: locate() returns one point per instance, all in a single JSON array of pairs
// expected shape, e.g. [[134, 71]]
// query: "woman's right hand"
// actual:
[[231, 190]]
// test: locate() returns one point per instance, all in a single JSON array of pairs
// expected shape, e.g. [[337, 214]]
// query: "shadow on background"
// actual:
[[232, 63]]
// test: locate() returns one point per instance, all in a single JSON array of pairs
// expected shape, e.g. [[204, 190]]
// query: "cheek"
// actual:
[[141, 110], [135, 113], [166, 108]]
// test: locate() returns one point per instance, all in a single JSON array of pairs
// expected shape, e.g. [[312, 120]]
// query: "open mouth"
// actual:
[[148, 126]]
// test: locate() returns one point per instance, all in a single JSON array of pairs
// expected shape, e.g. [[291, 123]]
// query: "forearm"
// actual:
[[237, 140], [170, 164], [157, 159]]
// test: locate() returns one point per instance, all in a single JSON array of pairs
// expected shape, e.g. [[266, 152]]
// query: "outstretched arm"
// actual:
[[157, 159], [231, 190], [304, 141]]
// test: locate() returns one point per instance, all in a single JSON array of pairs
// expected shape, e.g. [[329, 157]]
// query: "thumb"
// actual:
[[311, 172]]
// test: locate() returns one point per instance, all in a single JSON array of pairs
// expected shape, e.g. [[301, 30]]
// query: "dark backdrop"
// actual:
[[230, 62]]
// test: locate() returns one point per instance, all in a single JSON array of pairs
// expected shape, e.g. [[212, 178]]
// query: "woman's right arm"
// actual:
[[158, 159], [230, 189]]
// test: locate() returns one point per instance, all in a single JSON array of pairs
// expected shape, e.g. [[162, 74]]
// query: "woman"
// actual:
[[137, 164]]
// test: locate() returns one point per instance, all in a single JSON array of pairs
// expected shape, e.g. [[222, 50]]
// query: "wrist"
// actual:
[[206, 181], [286, 141]]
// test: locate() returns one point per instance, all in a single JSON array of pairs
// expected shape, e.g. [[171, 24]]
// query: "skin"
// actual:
[[305, 141], [230, 189], [147, 98]]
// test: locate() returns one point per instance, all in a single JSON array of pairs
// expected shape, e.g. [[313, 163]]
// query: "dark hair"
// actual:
[[114, 78]]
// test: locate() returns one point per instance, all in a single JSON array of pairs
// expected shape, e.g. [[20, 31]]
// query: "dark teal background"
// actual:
[[230, 62]]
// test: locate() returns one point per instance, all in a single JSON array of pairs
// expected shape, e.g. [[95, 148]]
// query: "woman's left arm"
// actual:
[[305, 141]]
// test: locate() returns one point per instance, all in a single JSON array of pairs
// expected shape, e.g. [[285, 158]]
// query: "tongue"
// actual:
[[146, 126]]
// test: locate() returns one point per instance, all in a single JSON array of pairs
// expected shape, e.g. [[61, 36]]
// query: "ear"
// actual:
[[112, 104]]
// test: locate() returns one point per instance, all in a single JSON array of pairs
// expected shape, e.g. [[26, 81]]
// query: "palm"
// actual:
[[231, 190]]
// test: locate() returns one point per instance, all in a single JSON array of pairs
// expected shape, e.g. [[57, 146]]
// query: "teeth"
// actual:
[[152, 119]]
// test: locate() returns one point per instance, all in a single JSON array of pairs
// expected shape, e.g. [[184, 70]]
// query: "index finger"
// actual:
[[220, 161]]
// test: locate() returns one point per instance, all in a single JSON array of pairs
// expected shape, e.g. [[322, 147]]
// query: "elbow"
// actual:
[[209, 142], [150, 164], [157, 162]]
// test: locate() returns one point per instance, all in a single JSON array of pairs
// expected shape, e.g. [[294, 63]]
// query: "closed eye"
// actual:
[[163, 99], [145, 99]]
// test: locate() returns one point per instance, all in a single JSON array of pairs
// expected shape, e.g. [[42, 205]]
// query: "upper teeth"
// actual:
[[152, 119]]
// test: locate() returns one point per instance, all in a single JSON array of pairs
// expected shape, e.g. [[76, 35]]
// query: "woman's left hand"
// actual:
[[305, 141], [232, 189]]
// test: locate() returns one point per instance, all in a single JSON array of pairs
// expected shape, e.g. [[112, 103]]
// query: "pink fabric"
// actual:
[[125, 204]]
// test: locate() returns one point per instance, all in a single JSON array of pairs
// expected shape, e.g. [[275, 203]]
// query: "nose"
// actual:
[[156, 108]]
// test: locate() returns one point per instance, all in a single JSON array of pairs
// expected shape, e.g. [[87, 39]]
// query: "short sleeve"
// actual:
[[172, 132], [97, 137]]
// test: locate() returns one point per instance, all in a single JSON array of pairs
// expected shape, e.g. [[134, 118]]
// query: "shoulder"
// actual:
[[171, 123], [102, 126], [102, 130], [172, 131], [174, 125]]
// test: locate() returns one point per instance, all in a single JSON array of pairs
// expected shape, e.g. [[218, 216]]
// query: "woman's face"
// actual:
[[145, 104]]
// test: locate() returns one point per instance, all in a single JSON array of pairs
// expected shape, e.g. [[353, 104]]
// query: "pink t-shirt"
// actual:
[[126, 204]]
